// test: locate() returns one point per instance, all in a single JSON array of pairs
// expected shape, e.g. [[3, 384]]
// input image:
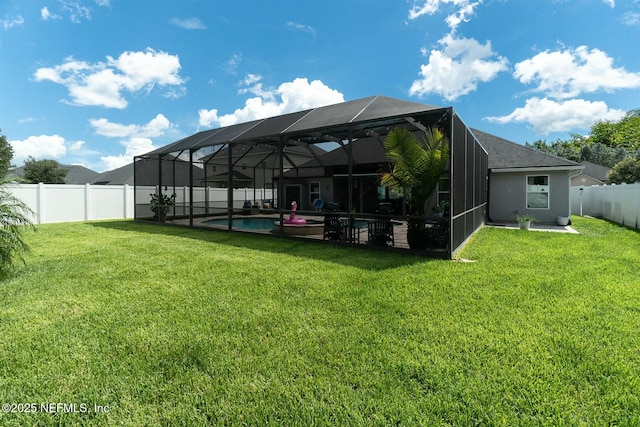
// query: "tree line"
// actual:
[[612, 144]]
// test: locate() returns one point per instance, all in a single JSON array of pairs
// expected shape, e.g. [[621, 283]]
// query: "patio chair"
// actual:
[[380, 232], [332, 228]]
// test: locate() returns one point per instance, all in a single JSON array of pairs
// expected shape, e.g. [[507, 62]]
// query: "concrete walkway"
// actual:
[[535, 227]]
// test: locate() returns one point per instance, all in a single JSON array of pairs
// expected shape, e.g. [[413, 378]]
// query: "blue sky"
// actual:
[[95, 82]]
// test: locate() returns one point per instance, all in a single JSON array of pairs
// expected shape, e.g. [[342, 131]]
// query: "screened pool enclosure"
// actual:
[[328, 160]]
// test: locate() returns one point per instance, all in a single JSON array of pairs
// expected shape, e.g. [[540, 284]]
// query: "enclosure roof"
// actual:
[[335, 120]]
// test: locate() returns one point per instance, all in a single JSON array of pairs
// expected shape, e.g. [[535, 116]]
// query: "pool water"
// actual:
[[264, 224]]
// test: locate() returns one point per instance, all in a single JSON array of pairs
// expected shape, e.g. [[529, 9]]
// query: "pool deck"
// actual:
[[399, 230]]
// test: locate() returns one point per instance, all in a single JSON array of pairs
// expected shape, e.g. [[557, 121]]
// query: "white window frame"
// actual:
[[538, 189], [317, 194]]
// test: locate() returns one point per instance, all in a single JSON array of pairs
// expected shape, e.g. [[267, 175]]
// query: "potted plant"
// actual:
[[524, 221], [161, 204], [418, 164]]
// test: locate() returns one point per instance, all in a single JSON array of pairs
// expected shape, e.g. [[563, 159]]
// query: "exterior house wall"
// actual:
[[306, 202], [585, 180], [508, 193]]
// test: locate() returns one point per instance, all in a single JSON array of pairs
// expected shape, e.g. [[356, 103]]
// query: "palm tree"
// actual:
[[418, 164], [14, 216]]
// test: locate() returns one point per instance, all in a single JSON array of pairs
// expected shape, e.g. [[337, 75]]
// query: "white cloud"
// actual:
[[188, 24], [571, 72], [104, 83], [631, 18], [457, 69], [463, 9], [77, 12], [39, 147], [8, 24], [463, 14], [297, 95], [155, 127], [135, 138], [610, 3], [301, 27], [134, 147], [208, 118], [546, 115], [231, 65], [46, 15]]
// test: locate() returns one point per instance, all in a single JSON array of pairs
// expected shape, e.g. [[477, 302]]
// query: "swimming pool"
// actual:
[[263, 224]]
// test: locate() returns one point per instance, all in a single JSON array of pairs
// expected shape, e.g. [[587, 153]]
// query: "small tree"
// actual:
[[625, 171], [45, 171], [6, 154], [14, 216], [418, 164]]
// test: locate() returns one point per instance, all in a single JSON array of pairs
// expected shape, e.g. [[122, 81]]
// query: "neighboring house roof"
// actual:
[[596, 171], [505, 155], [120, 176], [148, 173], [76, 174], [254, 155], [238, 178]]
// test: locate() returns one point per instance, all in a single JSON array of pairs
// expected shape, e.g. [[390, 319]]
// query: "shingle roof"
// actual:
[[120, 176], [76, 174], [505, 154], [596, 171]]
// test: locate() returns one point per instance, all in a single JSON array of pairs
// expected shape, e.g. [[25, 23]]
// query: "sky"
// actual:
[[96, 82]]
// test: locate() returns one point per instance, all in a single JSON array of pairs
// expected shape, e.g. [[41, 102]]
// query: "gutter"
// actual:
[[578, 168]]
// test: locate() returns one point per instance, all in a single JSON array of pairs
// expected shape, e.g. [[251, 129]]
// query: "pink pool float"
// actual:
[[292, 217]]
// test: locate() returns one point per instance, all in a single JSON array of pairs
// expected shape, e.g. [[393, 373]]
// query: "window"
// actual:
[[314, 191], [538, 192]]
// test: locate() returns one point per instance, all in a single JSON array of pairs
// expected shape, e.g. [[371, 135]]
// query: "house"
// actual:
[[526, 181], [592, 174]]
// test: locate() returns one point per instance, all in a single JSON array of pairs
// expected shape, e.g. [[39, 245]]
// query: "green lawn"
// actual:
[[170, 326]]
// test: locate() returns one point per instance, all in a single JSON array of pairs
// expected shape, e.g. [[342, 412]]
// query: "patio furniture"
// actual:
[[332, 228], [380, 232]]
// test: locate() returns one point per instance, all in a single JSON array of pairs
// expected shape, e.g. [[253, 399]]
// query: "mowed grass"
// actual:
[[171, 326]]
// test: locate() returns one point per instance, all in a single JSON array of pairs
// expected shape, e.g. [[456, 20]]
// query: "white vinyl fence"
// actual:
[[617, 203], [67, 203]]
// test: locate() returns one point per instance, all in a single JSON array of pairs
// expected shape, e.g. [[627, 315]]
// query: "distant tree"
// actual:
[[624, 133], [626, 171], [45, 171], [14, 216], [580, 148], [6, 154]]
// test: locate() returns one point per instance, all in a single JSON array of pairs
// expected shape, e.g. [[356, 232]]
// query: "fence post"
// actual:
[[124, 201], [40, 203], [87, 201]]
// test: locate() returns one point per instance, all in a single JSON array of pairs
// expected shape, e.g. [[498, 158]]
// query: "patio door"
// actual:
[[291, 193]]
